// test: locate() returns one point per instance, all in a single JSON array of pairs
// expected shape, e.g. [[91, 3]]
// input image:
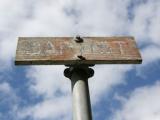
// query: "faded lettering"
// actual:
[[32, 48], [64, 47], [96, 48], [121, 47], [50, 48]]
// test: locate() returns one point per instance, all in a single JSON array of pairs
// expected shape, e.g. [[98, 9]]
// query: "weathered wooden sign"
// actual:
[[68, 51]]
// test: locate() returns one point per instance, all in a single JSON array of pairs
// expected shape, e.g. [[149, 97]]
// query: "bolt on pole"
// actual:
[[80, 91]]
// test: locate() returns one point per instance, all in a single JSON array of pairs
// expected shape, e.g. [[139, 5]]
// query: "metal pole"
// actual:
[[80, 91]]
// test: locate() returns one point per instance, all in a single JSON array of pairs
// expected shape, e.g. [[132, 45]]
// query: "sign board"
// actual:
[[65, 50]]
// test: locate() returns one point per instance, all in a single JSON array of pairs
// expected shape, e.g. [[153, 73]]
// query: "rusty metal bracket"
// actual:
[[81, 57], [78, 39]]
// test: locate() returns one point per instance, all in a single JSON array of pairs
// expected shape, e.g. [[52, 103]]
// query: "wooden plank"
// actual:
[[65, 50]]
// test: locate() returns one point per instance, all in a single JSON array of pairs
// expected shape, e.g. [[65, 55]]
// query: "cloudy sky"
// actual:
[[118, 92]]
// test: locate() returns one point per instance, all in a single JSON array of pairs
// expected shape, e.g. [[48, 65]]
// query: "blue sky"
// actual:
[[118, 92]]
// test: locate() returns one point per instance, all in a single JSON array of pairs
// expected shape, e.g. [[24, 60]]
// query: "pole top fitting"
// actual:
[[86, 72], [78, 39]]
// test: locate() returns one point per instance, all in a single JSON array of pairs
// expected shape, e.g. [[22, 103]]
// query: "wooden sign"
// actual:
[[69, 51]]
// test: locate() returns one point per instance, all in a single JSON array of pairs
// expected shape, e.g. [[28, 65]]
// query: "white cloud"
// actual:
[[5, 87], [142, 104], [105, 78], [48, 19], [145, 22], [48, 80], [101, 18], [150, 54], [57, 108], [12, 15], [8, 101]]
